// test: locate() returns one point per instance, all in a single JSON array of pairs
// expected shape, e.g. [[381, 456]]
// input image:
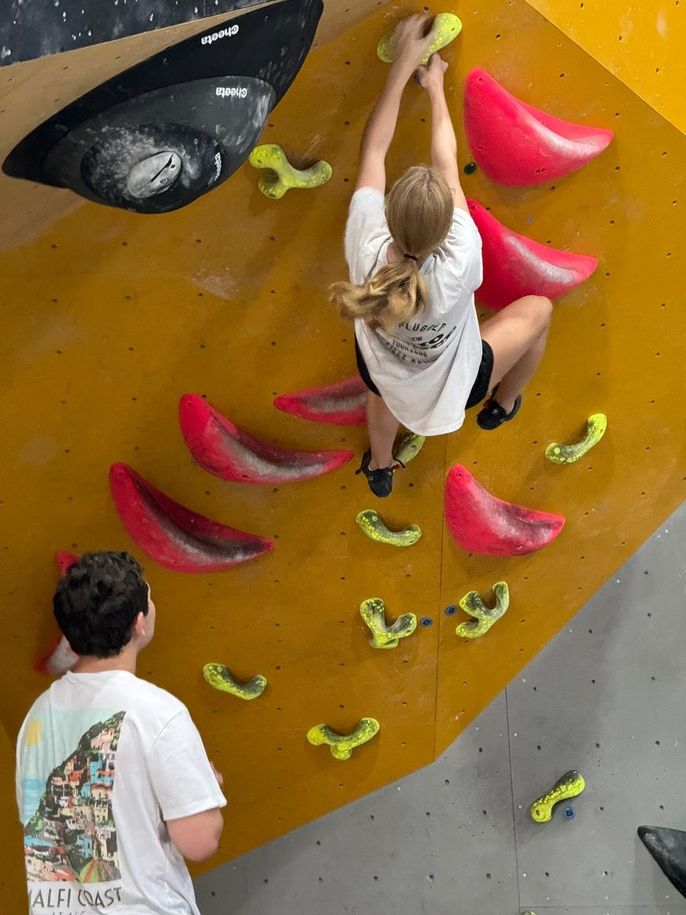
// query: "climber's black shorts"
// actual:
[[479, 388]]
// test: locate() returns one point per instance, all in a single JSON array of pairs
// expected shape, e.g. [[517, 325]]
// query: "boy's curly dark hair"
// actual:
[[97, 601]]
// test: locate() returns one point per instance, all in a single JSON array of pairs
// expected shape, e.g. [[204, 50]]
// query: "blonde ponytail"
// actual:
[[393, 295], [419, 212]]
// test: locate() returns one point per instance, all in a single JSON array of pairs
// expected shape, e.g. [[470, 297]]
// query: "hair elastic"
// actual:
[[411, 257]]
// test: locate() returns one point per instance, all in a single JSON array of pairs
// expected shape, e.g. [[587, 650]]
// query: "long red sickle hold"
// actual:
[[481, 523], [172, 534], [59, 657], [230, 453], [515, 265], [339, 404], [519, 145]]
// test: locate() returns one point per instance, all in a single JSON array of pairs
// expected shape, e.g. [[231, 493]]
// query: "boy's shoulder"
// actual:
[[132, 692], [150, 692]]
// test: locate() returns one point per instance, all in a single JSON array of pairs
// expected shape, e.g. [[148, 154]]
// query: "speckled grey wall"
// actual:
[[36, 28]]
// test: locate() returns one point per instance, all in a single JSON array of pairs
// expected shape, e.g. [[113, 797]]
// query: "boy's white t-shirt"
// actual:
[[426, 367], [103, 761]]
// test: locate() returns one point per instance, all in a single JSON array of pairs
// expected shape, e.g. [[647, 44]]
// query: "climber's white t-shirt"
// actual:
[[103, 761], [426, 367]]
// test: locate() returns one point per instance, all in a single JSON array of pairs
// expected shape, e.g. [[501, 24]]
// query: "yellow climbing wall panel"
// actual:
[[641, 42], [110, 317]]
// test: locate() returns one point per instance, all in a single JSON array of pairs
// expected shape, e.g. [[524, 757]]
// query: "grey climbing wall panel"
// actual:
[[607, 696]]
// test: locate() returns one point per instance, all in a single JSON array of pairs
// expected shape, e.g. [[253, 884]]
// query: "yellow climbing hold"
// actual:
[[408, 447], [282, 176], [342, 745], [570, 785], [446, 27], [596, 424], [373, 525], [220, 677], [373, 612], [484, 617]]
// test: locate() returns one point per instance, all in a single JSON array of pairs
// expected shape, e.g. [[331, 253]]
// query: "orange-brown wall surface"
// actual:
[[110, 317], [642, 43]]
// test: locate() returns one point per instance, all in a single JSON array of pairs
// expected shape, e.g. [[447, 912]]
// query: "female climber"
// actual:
[[415, 262]]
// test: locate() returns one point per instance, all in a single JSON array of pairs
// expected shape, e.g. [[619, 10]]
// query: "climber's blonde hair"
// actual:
[[419, 211]]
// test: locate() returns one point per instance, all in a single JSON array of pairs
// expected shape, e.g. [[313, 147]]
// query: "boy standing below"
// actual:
[[113, 783]]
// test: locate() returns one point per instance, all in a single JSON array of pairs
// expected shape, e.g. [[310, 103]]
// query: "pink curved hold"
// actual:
[[481, 523], [173, 535], [339, 404], [515, 265], [65, 560], [230, 453], [59, 657], [519, 145]]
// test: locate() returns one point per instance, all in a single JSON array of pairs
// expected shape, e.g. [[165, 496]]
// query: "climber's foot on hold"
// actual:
[[380, 479], [493, 414]]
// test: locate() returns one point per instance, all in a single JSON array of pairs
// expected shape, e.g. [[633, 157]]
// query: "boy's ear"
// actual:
[[139, 624]]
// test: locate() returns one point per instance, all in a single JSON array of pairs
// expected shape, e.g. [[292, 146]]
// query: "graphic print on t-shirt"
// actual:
[[71, 836]]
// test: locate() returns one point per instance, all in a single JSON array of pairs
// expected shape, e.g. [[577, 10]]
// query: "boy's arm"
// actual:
[[190, 806], [443, 140], [410, 46]]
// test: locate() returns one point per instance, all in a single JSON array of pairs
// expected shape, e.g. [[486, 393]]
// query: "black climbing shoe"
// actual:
[[493, 415], [380, 480]]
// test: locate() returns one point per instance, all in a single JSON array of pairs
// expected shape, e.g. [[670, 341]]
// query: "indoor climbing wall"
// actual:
[[111, 318], [640, 43]]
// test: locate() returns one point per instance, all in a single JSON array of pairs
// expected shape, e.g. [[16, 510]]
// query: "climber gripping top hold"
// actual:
[[414, 258]]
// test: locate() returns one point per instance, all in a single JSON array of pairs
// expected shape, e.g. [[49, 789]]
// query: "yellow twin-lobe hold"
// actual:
[[373, 612], [596, 424], [408, 447], [484, 617], [570, 785], [372, 524], [282, 175], [446, 27], [342, 745], [220, 677]]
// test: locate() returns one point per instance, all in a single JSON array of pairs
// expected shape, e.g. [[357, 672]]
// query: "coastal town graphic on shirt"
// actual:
[[69, 832]]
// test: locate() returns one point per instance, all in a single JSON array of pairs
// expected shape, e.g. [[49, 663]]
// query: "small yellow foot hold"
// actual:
[[408, 447], [446, 27], [567, 454], [373, 525], [342, 745], [219, 676], [373, 612], [282, 175], [484, 617], [570, 785]]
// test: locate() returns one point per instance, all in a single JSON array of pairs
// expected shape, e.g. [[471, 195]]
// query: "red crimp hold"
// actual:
[[59, 657], [230, 453], [481, 523], [173, 535], [340, 404], [519, 145], [515, 265]]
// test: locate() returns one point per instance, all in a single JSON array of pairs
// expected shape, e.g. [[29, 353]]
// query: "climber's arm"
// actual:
[[409, 48]]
